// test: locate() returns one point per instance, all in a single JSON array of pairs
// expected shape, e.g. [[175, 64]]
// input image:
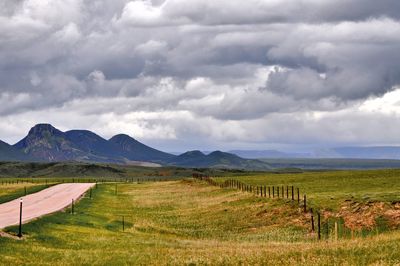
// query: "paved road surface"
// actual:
[[41, 203]]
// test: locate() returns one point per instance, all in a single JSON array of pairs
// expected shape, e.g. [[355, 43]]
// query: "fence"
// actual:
[[321, 229]]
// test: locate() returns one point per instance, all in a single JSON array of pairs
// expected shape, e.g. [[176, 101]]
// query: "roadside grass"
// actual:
[[185, 223], [329, 189], [10, 192]]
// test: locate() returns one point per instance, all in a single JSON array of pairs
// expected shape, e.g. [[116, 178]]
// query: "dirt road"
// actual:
[[41, 203]]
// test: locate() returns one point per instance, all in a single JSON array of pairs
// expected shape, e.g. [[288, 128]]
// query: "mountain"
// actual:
[[190, 158], [48, 144], [217, 159], [45, 142], [8, 153], [257, 154], [377, 152], [97, 148], [136, 151]]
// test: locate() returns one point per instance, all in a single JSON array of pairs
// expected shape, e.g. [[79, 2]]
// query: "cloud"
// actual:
[[202, 71]]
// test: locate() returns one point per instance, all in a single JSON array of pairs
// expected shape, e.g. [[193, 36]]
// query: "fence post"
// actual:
[[273, 191], [319, 226], [336, 231], [292, 193], [287, 192], [305, 203], [312, 220], [269, 192], [298, 195]]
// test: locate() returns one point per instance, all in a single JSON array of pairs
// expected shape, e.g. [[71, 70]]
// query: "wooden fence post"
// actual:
[[292, 193], [305, 203], [298, 195], [336, 231], [319, 226], [312, 220]]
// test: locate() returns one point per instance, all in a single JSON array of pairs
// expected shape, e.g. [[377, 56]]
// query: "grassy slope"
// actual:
[[181, 223], [331, 188], [74, 169]]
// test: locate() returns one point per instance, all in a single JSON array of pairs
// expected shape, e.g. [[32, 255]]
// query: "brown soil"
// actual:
[[358, 216]]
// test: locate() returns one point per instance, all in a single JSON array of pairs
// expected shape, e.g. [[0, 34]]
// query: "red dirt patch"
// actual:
[[358, 216]]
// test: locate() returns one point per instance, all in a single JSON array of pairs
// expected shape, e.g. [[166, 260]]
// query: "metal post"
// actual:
[[20, 219]]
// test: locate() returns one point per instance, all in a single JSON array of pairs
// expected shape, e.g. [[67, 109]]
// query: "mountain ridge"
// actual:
[[45, 143]]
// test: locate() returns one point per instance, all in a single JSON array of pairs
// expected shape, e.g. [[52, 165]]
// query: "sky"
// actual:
[[204, 74]]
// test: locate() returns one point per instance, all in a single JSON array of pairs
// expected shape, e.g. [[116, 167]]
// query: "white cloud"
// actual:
[[141, 13]]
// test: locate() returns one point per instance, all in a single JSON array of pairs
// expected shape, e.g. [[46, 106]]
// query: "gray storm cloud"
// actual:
[[225, 63]]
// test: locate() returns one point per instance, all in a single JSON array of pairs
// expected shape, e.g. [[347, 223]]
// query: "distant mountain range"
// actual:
[[257, 154], [45, 143], [375, 152]]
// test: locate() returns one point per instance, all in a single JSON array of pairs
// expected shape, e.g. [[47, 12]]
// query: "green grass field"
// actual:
[[328, 189], [187, 223]]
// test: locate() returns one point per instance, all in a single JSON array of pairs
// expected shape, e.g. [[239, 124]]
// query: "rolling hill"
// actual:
[[217, 159]]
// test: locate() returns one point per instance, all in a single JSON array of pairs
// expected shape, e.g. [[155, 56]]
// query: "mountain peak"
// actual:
[[120, 137], [39, 129], [137, 151], [195, 153]]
